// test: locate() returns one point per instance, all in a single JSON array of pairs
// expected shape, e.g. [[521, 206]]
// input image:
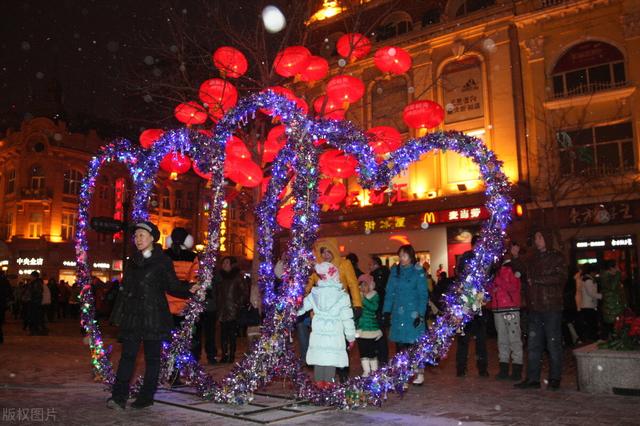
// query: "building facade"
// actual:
[[549, 85], [41, 168]]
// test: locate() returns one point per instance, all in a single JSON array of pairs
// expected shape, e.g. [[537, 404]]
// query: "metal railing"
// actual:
[[36, 193], [586, 89]]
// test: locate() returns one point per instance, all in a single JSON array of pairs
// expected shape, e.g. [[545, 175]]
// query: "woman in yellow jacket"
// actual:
[[326, 250]]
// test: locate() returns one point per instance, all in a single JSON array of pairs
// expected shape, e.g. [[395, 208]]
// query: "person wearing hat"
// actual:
[[142, 313]]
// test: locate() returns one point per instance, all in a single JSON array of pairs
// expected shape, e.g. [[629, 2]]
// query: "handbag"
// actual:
[[249, 316]]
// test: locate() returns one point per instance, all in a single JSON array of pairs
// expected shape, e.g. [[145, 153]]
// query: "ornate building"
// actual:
[[550, 85], [41, 167]]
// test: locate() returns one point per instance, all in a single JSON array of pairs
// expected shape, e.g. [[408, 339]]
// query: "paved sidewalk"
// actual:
[[50, 376]]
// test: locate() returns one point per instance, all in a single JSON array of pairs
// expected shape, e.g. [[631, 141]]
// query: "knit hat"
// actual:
[[180, 237], [150, 228]]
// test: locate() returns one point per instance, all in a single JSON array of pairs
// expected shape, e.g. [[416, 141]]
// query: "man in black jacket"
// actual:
[[142, 313], [380, 274], [5, 296], [35, 290]]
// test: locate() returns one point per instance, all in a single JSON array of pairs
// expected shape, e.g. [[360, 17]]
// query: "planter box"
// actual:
[[607, 371]]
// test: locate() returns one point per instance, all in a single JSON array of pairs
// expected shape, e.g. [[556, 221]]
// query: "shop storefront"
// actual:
[[439, 236]]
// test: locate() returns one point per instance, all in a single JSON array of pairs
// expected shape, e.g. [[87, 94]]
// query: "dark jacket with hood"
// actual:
[[141, 309]]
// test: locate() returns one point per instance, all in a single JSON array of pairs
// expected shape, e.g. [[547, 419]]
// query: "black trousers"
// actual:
[[36, 324], [476, 328], [228, 336], [588, 324], [382, 348], [152, 348], [205, 330]]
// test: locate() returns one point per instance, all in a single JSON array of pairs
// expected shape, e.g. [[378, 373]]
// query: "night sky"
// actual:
[[77, 49]]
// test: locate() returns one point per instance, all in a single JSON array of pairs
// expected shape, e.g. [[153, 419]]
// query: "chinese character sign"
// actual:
[[462, 89]]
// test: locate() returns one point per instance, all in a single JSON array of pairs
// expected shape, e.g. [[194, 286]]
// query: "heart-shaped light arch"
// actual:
[[272, 355]]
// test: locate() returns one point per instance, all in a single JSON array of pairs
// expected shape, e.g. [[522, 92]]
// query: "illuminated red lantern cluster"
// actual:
[[331, 192], [393, 60], [175, 163], [316, 69], [150, 136], [423, 114], [353, 46], [292, 61], [230, 62], [328, 108], [190, 113], [345, 89], [219, 95], [335, 163], [384, 139]]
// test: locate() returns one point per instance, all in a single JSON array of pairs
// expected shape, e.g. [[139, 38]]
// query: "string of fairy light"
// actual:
[[272, 355]]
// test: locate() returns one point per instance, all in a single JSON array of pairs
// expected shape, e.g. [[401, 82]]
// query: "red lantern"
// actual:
[[394, 60], [423, 114], [353, 46], [317, 69], [230, 62], [190, 113], [285, 216], [245, 172], [203, 175], [291, 61], [150, 136], [277, 136], [328, 108], [236, 148], [331, 192], [345, 89], [384, 139], [219, 95], [335, 163], [174, 162], [270, 151]]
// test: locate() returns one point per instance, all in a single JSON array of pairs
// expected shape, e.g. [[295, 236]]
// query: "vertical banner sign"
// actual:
[[223, 230], [119, 207], [462, 90]]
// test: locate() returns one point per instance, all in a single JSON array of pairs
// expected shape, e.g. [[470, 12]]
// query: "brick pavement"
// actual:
[[51, 375]]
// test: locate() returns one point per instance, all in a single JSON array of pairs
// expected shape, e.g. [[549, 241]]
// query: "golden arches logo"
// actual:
[[429, 217]]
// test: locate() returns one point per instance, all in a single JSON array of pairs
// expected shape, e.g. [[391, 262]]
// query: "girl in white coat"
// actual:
[[332, 323]]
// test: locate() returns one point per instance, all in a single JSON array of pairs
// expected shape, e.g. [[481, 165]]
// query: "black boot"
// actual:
[[504, 371], [232, 351], [527, 384], [516, 372]]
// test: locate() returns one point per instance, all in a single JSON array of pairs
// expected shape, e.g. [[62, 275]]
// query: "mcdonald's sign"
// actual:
[[429, 217]]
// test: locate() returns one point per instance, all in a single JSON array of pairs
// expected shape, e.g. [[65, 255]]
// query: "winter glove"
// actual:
[[416, 322], [357, 313]]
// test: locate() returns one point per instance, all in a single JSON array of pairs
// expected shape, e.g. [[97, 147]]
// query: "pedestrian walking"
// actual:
[[406, 302], [368, 330], [142, 313], [332, 323], [547, 275], [6, 295], [476, 328], [231, 296], [505, 304]]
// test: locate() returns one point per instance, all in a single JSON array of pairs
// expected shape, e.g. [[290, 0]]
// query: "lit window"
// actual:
[[35, 225], [11, 181], [72, 182], [37, 178], [68, 228], [601, 150], [588, 67]]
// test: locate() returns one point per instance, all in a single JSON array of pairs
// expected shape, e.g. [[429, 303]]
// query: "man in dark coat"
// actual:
[[142, 313], [35, 290], [477, 327], [546, 278], [380, 274], [5, 296]]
